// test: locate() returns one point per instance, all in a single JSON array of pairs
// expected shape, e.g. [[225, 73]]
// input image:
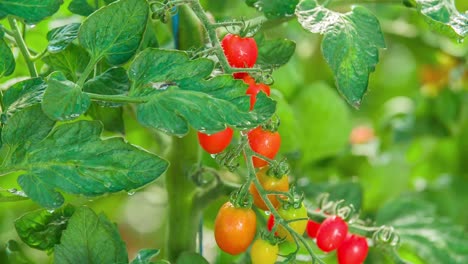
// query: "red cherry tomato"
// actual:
[[234, 228], [270, 222], [353, 250], [216, 142], [264, 142], [331, 233], [254, 89], [240, 52], [312, 228]]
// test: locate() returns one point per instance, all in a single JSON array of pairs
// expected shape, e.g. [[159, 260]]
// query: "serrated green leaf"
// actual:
[[32, 11], [159, 65], [325, 120], [75, 160], [64, 100], [118, 41], [144, 256], [7, 61], [274, 8], [191, 258], [59, 38], [443, 16], [275, 52], [23, 94], [111, 82], [17, 131], [434, 239], [350, 45], [42, 229], [91, 239], [72, 61]]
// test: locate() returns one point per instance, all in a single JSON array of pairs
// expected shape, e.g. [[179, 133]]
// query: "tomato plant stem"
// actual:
[[117, 98], [87, 71], [183, 212], [22, 46]]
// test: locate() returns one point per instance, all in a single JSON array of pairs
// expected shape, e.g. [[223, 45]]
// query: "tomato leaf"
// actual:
[[7, 63], [178, 94], [325, 120], [434, 239], [81, 7], [59, 38], [274, 8], [73, 158], [32, 11], [15, 253], [23, 94], [42, 229], [111, 82], [110, 117], [71, 61], [275, 52], [350, 45], [144, 256], [90, 238], [118, 41], [64, 100], [191, 258], [443, 17]]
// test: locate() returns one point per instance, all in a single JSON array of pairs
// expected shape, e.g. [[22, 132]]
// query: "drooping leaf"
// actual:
[[274, 8], [206, 104], [443, 16], [59, 38], [112, 82], [191, 258], [275, 52], [350, 45], [325, 120], [75, 160], [144, 256], [32, 11], [72, 61], [7, 61], [23, 94], [42, 229], [64, 100], [125, 22], [434, 239], [91, 239]]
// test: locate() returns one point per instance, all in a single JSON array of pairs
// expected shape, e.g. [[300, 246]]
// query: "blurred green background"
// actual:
[[416, 109]]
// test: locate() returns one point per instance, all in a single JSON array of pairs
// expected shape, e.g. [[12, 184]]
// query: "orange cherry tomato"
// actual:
[[269, 183]]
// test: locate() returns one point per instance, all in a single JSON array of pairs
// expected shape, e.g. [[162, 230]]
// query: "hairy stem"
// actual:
[[16, 33]]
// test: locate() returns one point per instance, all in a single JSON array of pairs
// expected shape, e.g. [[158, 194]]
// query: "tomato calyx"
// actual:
[[294, 200], [278, 169], [241, 200], [273, 124]]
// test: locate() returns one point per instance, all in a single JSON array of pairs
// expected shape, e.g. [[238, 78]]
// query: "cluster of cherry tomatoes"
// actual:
[[236, 226]]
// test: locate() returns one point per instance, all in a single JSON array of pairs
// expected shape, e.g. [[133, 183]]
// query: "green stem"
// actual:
[[22, 46], [183, 211], [39, 56], [89, 68], [117, 98]]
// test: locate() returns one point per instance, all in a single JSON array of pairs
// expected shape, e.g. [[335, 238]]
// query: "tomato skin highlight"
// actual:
[[262, 252], [240, 52], [234, 228], [292, 214], [332, 233], [264, 142], [353, 250], [269, 183], [216, 142], [312, 228]]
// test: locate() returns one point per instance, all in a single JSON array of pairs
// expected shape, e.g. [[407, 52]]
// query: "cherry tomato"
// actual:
[[234, 228], [331, 233], [293, 214], [254, 89], [353, 250], [264, 142], [361, 135], [312, 228], [216, 142], [270, 222], [240, 52], [262, 252], [269, 183]]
